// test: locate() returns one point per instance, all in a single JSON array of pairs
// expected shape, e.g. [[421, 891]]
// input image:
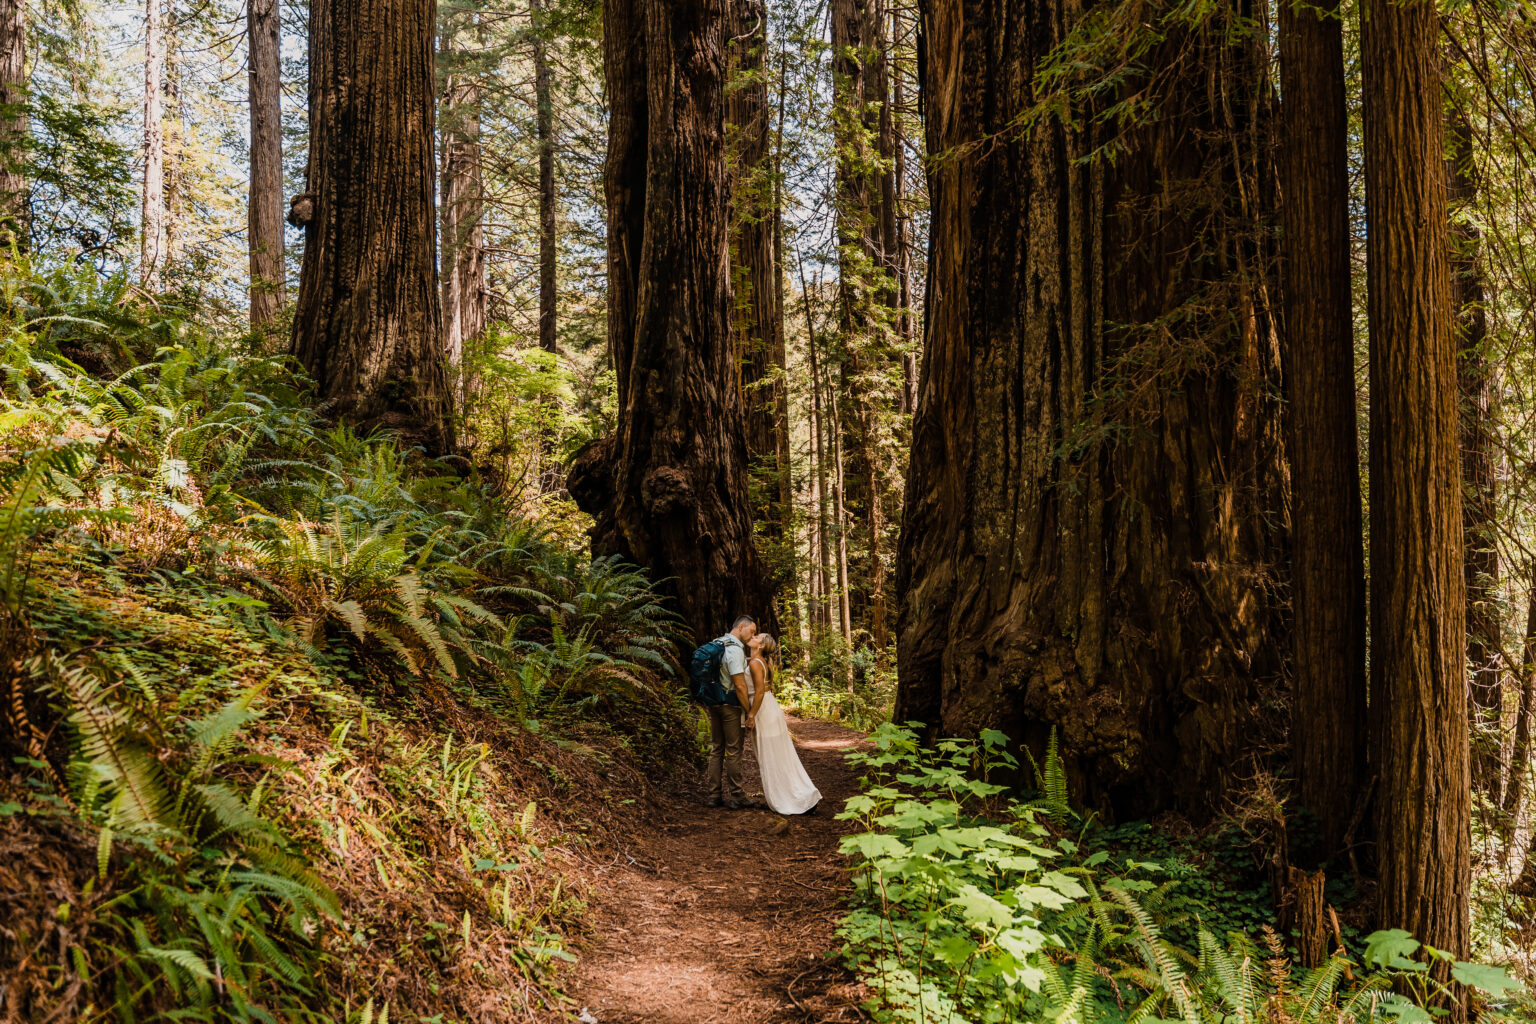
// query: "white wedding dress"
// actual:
[[786, 787]]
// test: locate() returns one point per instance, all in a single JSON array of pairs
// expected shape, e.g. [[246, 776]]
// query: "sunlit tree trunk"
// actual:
[[1328, 558], [1418, 587], [14, 204], [668, 491], [152, 198], [368, 320], [1517, 785], [463, 216], [264, 221]]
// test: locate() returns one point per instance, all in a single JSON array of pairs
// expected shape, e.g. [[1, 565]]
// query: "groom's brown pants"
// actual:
[[725, 739]]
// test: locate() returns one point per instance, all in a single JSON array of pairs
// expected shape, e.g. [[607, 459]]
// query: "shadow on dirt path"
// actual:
[[720, 915]]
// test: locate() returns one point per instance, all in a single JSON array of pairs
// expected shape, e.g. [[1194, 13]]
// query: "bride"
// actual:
[[785, 785]]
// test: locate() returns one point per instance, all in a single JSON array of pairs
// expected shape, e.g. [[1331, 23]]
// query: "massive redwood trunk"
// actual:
[[669, 490], [1095, 499], [368, 325], [1418, 678], [264, 224], [1328, 560], [14, 206]]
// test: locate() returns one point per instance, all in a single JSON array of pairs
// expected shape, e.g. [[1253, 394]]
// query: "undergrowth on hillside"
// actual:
[[970, 905], [291, 713]]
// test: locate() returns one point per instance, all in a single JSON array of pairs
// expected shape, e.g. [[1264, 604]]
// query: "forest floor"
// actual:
[[713, 915]]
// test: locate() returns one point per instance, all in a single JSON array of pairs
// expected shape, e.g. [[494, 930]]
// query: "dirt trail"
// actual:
[[718, 915]]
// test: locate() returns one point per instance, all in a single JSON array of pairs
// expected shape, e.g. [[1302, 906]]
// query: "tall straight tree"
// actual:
[[1328, 556], [544, 123], [1418, 653], [463, 213], [13, 123], [368, 324], [669, 489], [152, 197], [264, 223], [1479, 451], [1087, 543]]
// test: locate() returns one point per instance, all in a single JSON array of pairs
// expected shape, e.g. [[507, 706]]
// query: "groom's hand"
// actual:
[[751, 720]]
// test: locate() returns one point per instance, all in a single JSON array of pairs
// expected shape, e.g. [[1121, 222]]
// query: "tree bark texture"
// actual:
[[1328, 556], [756, 322], [544, 121], [1479, 456], [669, 489], [152, 200], [368, 322], [1418, 590], [463, 216], [1517, 784], [264, 223], [1095, 501], [14, 200]]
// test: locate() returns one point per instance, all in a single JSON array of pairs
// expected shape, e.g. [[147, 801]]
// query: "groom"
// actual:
[[725, 722]]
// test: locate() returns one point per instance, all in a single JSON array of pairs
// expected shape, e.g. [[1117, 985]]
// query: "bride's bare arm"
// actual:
[[759, 679]]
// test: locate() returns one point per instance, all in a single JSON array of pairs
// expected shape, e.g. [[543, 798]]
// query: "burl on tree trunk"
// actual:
[[367, 325], [1096, 493], [669, 489]]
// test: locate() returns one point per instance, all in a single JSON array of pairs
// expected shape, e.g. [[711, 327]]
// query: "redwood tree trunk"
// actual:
[[1094, 505], [264, 224], [669, 490], [152, 200], [368, 324], [1479, 458], [463, 216], [14, 206], [544, 121], [756, 322], [1328, 559], [1418, 591]]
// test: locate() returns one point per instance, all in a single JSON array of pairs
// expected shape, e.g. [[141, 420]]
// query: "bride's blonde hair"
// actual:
[[768, 646]]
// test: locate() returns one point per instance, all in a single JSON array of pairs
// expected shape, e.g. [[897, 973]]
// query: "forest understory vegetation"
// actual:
[[300, 726]]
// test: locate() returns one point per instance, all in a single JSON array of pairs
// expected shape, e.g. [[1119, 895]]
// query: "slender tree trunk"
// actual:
[[819, 426], [545, 126], [1479, 457], [1418, 590], [669, 490], [1096, 502], [1517, 785], [15, 212], [840, 515], [780, 355], [1328, 558], [152, 201], [463, 216], [173, 131], [264, 222], [904, 320], [368, 322]]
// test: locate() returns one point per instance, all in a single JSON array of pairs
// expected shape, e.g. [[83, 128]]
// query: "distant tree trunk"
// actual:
[[1095, 501], [904, 320], [819, 426], [1479, 457], [780, 349], [173, 134], [1418, 590], [669, 490], [463, 217], [1516, 787], [264, 222], [152, 201], [368, 322], [545, 127], [15, 213], [840, 516], [1328, 558], [756, 323]]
